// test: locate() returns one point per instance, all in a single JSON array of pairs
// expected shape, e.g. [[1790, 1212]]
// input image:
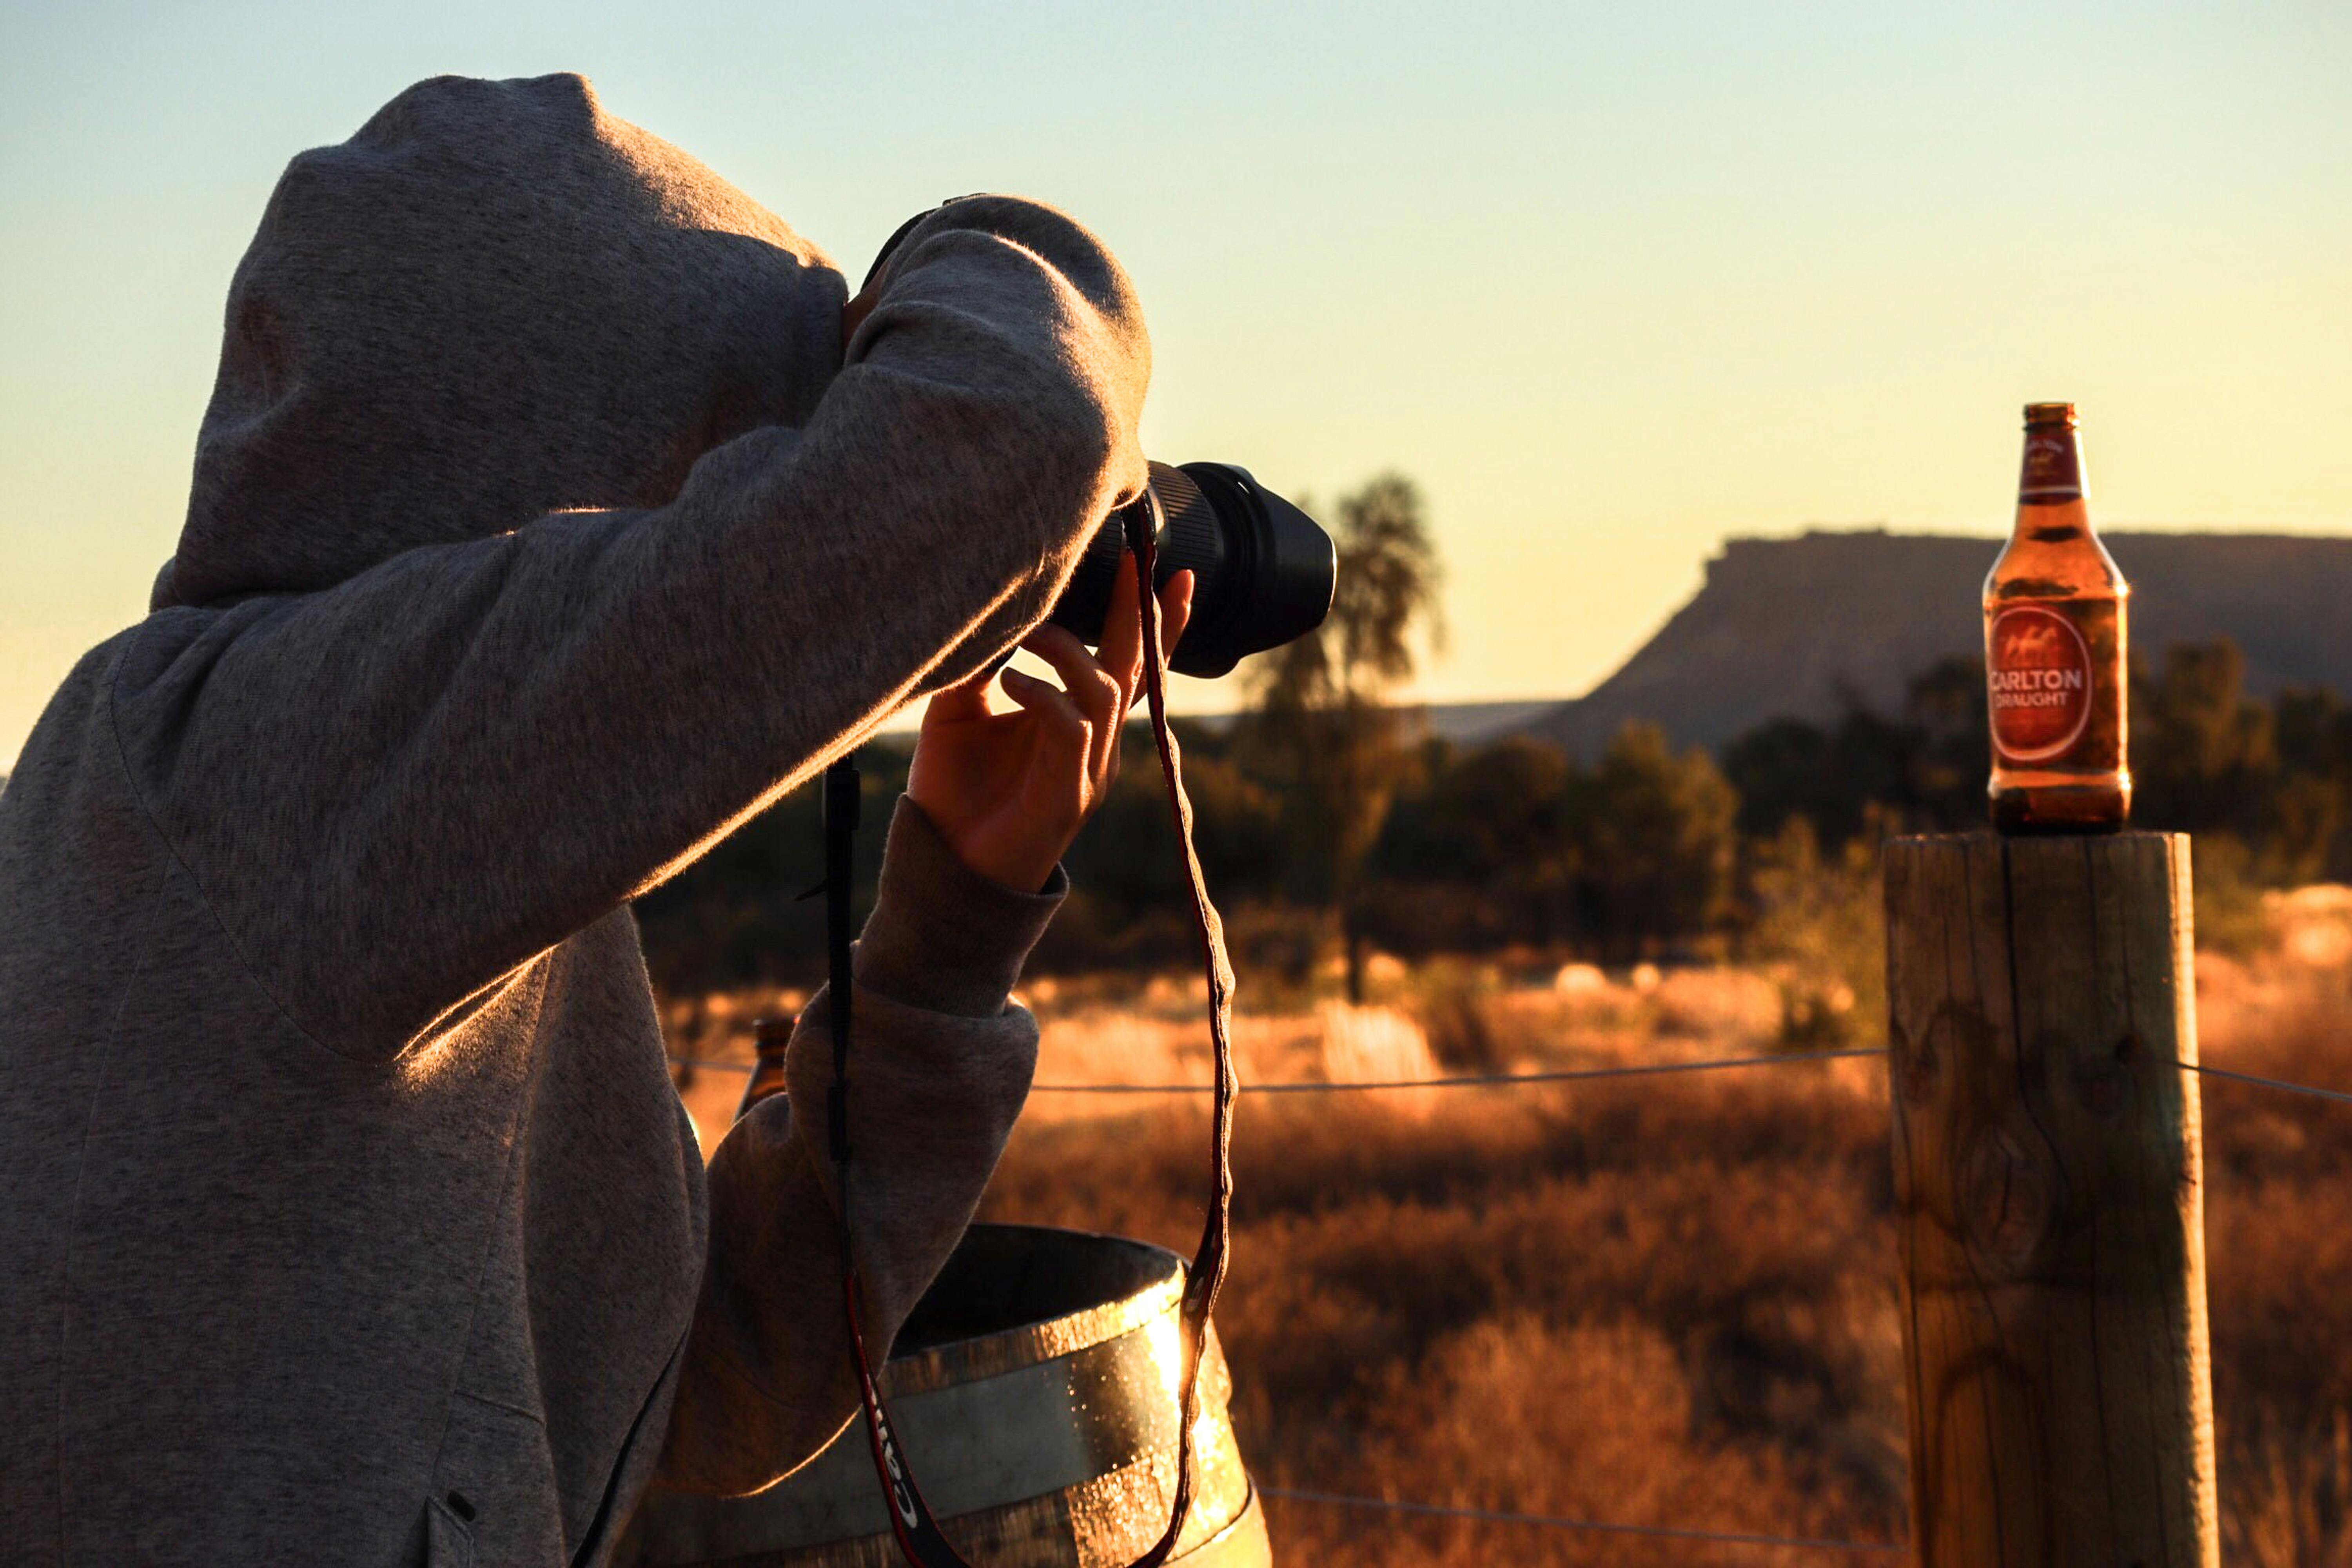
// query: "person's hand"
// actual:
[[1009, 787]]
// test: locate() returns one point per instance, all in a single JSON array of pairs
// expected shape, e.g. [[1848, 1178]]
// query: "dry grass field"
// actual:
[[1665, 1300]]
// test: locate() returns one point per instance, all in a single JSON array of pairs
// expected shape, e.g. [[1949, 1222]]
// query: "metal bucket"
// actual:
[[1035, 1386]]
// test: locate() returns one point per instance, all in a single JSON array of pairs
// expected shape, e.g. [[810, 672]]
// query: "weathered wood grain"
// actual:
[[2047, 1159]]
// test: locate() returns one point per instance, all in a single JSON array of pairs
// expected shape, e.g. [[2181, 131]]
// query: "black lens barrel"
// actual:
[[1263, 571]]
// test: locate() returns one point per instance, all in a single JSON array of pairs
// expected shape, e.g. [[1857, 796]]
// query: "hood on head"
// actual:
[[494, 301]]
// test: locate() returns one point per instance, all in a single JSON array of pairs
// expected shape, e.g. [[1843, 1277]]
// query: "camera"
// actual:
[[1263, 570]]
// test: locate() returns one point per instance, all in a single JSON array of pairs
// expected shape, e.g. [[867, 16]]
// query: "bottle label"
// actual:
[[2042, 683], [2052, 473]]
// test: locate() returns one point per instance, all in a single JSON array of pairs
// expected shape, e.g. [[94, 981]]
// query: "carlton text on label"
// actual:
[[2040, 682]]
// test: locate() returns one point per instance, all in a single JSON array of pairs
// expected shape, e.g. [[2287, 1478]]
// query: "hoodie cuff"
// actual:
[[943, 936]]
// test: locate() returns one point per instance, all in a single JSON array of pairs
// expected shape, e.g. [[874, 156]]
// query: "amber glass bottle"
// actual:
[[770, 1036], [2055, 650]]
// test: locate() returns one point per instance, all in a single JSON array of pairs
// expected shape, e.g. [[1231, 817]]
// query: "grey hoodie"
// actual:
[[540, 532]]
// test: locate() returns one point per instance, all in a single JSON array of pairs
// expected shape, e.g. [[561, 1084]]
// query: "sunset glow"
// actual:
[[1609, 282]]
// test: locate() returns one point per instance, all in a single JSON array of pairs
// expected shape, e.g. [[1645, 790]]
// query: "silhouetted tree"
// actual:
[[1780, 770], [2202, 756], [1319, 723], [1125, 863], [1949, 737], [1495, 818], [1921, 770], [2311, 814], [1656, 834]]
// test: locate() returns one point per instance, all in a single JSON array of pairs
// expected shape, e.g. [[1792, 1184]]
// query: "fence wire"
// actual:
[[1483, 1081], [1565, 1075], [1554, 1521], [2201, 1071]]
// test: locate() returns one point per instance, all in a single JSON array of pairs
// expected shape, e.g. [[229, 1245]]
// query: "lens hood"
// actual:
[[1263, 571], [1276, 578]]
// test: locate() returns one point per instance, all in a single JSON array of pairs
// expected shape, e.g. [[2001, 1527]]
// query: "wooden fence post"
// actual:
[[2048, 1177]]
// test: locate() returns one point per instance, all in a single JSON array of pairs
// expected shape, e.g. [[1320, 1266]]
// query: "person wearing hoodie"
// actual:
[[544, 528]]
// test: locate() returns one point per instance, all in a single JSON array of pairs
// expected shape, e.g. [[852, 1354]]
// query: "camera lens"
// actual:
[[1262, 570]]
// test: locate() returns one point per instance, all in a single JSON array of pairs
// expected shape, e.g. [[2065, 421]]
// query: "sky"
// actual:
[[1608, 281]]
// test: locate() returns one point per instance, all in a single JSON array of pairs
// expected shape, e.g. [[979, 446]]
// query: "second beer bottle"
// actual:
[[2055, 650]]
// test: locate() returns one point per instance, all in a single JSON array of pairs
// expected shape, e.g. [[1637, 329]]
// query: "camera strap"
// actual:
[[921, 1541]]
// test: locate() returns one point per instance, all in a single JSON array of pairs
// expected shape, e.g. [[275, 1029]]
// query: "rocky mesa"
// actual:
[[1803, 626]]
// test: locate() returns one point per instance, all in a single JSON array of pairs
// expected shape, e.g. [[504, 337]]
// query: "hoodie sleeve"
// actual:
[[940, 1068], [395, 790]]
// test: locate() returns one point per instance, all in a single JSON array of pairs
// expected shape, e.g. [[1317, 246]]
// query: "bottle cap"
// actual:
[[2050, 414]]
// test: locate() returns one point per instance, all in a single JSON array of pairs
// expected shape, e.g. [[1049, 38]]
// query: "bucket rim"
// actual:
[[973, 1358]]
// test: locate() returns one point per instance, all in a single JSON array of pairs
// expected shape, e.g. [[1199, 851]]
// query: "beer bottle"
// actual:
[[2054, 650], [769, 1036]]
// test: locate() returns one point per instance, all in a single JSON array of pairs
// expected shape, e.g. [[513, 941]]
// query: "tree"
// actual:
[[1781, 770], [1657, 834], [1924, 769], [2313, 733], [1127, 862], [1815, 918], [1319, 722], [2202, 756], [1494, 819], [1950, 730]]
